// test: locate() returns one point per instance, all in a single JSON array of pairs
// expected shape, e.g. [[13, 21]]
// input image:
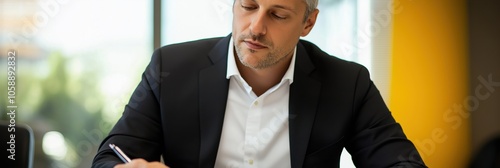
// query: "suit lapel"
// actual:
[[213, 95], [304, 95]]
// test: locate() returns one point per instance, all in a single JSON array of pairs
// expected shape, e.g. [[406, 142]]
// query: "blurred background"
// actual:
[[436, 63]]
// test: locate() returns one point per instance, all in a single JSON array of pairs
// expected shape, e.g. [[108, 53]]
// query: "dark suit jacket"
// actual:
[[178, 109]]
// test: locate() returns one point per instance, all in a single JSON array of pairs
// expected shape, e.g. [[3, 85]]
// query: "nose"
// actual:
[[258, 25]]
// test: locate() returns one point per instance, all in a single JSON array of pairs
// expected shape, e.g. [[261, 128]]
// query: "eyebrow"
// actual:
[[278, 6], [285, 8]]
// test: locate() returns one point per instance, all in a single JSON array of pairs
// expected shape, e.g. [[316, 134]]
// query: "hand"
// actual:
[[141, 163]]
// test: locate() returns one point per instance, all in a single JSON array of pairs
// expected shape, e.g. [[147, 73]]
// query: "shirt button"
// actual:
[[256, 103], [250, 161]]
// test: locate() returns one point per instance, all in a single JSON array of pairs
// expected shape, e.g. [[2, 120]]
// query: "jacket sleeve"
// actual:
[[378, 140], [138, 132]]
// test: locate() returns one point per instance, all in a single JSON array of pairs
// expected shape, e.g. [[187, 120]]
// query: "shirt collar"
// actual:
[[232, 69]]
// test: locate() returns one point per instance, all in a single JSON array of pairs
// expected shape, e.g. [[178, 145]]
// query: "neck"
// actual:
[[262, 80]]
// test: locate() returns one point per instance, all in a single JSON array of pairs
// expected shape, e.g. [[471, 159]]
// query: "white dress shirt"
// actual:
[[255, 130]]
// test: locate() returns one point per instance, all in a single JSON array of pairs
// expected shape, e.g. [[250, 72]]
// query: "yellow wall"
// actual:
[[429, 79]]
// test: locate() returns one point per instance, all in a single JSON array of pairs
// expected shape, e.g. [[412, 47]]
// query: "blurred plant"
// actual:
[[60, 100]]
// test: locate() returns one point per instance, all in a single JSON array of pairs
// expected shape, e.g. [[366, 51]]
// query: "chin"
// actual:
[[249, 62]]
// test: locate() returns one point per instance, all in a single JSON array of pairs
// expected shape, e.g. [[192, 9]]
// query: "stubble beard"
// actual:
[[272, 58]]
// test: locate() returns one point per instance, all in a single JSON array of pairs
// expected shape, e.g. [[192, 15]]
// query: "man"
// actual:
[[257, 98]]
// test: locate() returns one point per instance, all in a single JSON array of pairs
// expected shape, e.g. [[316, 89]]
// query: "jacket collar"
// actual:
[[213, 90], [304, 96]]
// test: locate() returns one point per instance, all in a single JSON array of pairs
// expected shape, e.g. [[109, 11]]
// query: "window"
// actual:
[[78, 63], [183, 21]]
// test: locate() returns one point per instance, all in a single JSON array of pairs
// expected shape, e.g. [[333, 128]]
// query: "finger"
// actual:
[[135, 163], [119, 166], [158, 165]]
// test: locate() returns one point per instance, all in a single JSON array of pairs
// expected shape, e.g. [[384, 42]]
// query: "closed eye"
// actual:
[[278, 17], [248, 8]]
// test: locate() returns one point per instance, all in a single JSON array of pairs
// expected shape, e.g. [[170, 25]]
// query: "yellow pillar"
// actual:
[[429, 84]]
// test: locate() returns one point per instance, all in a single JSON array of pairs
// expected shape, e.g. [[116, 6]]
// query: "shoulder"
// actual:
[[191, 46], [327, 64], [187, 54]]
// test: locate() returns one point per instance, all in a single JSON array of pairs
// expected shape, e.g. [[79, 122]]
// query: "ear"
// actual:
[[309, 24]]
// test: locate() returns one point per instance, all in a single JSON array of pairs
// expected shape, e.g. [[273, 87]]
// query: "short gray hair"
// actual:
[[311, 6]]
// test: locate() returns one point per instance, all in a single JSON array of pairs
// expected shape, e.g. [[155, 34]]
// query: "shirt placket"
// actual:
[[251, 133]]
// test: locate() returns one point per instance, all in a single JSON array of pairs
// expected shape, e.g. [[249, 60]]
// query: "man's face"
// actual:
[[266, 32]]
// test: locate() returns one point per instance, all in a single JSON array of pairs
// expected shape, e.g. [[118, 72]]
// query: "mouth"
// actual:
[[254, 45]]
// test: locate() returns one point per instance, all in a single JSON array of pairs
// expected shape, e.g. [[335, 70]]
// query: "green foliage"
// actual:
[[48, 92]]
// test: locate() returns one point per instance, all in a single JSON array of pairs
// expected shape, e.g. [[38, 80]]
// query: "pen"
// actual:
[[120, 153]]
